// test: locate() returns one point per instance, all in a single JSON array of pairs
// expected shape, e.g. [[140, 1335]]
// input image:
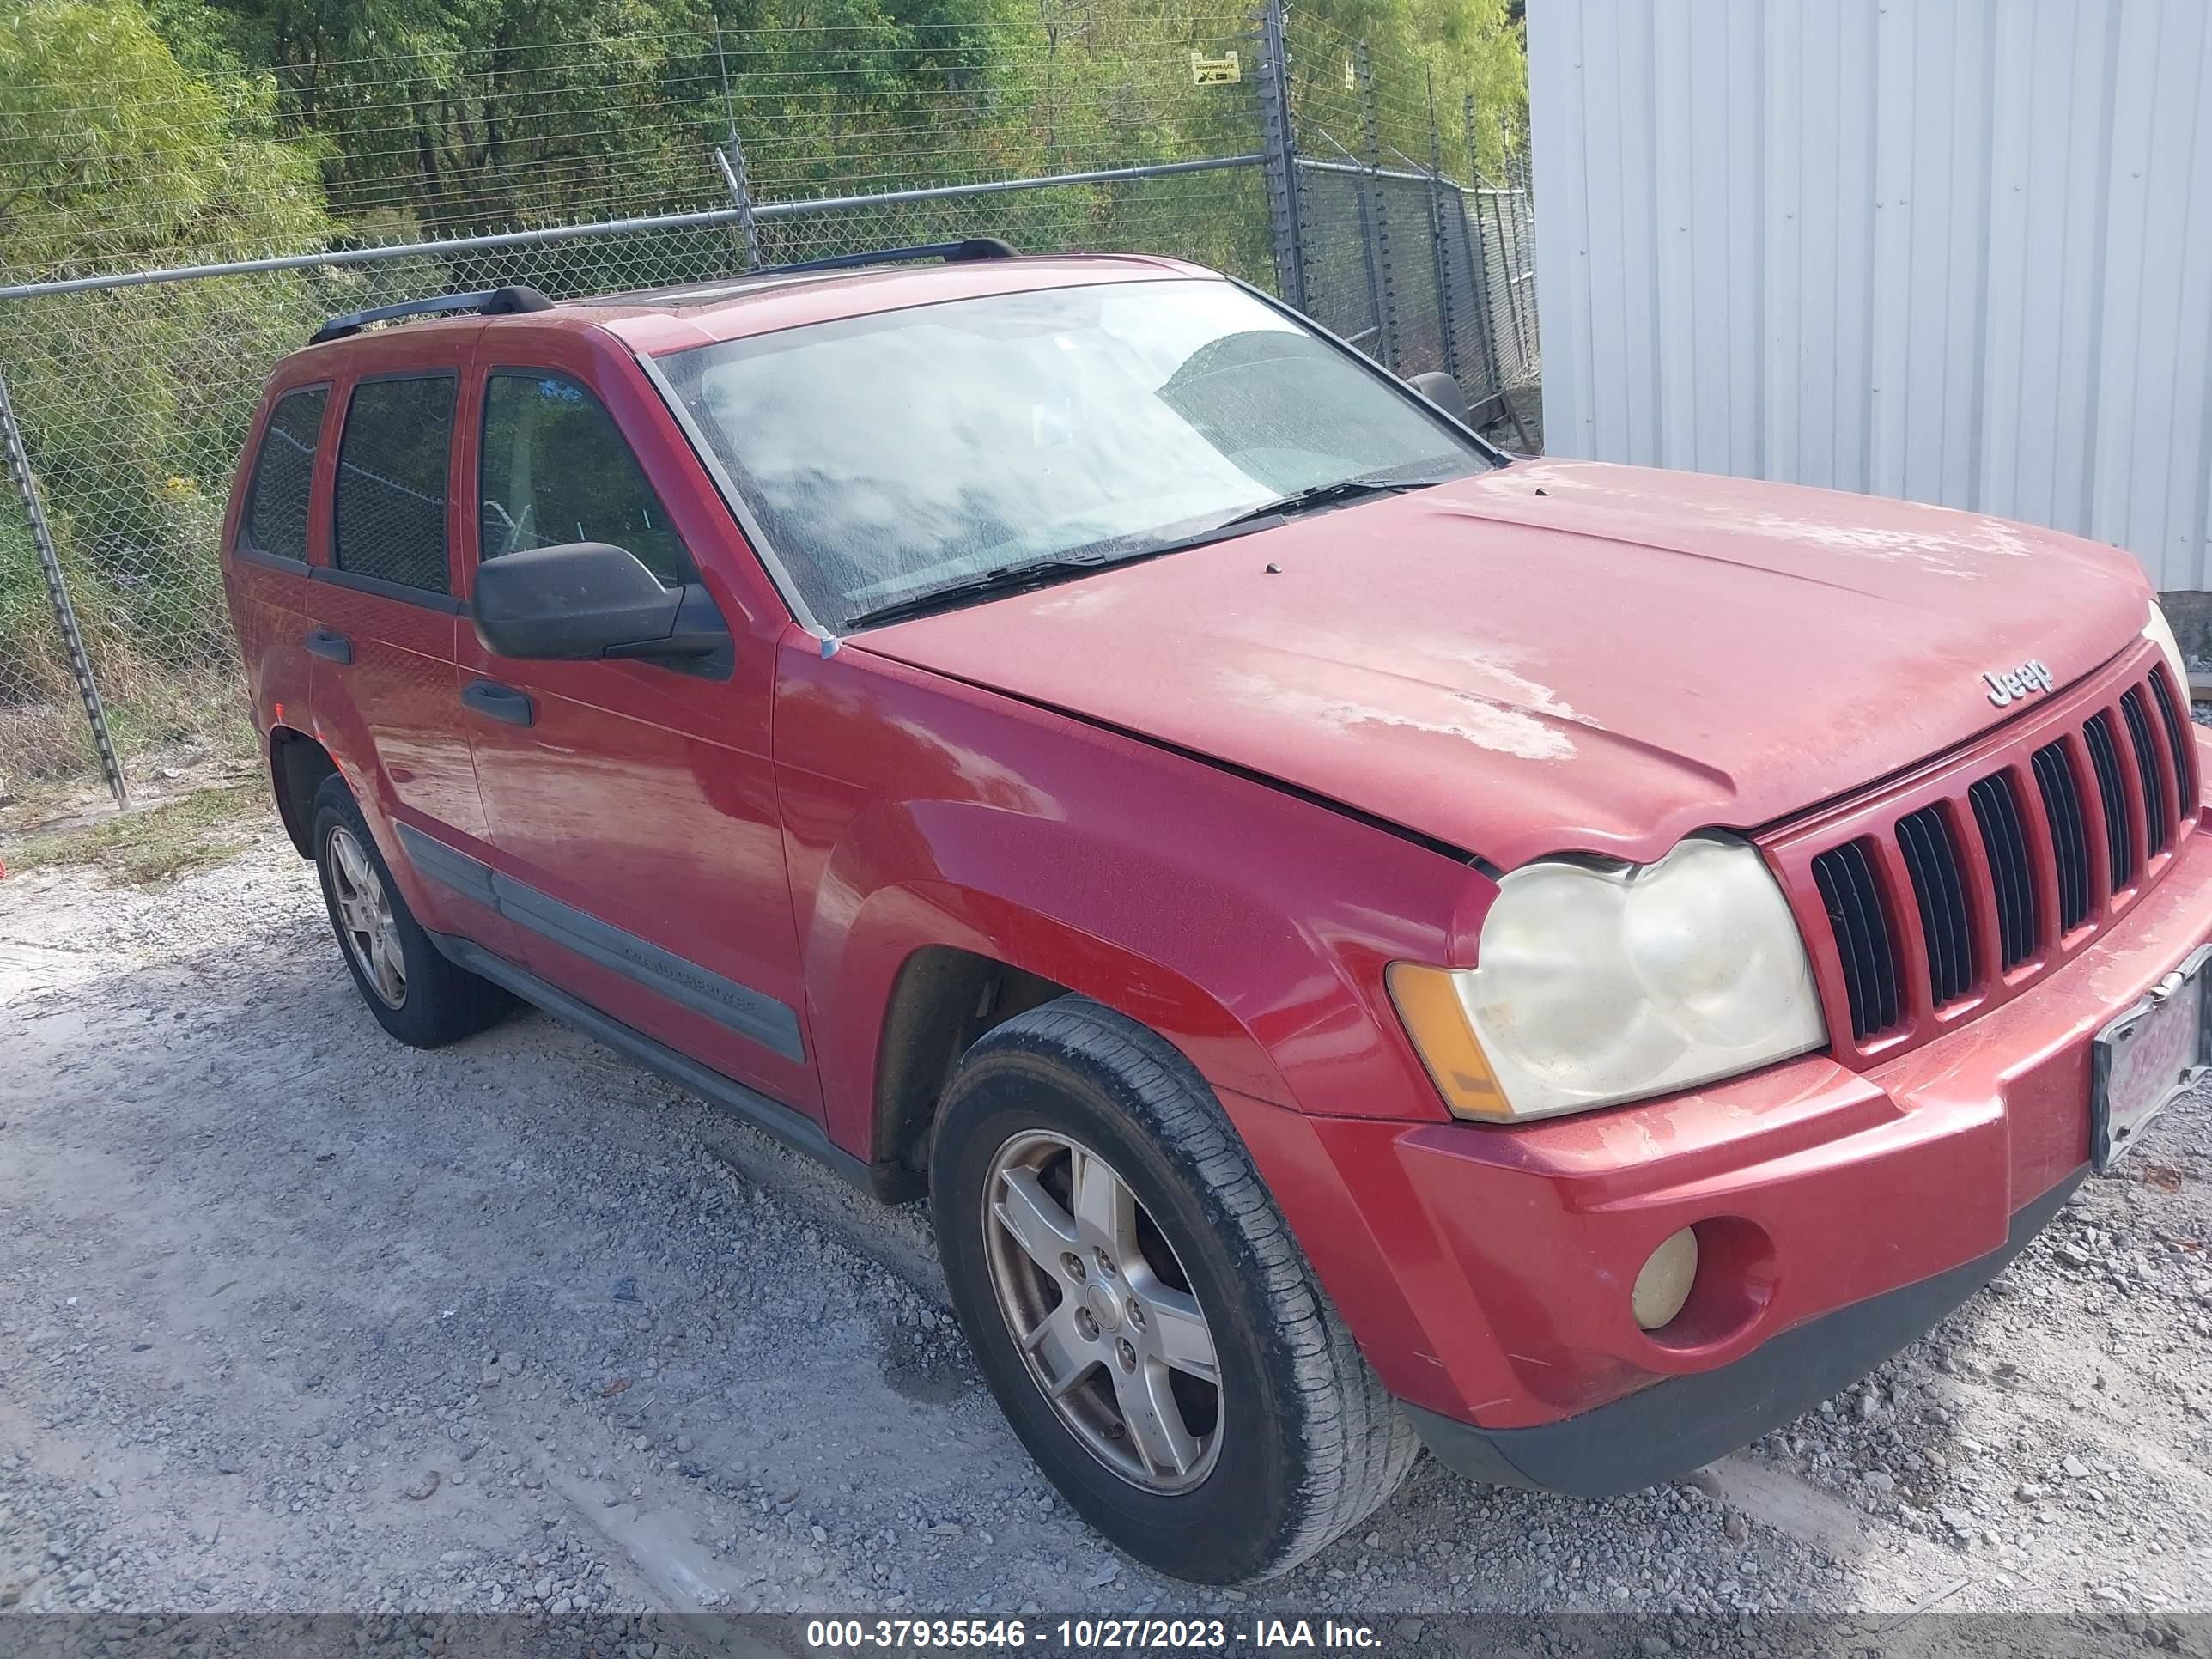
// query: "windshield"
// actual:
[[888, 457]]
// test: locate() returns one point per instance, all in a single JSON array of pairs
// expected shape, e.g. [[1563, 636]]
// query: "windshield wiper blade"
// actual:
[[1328, 495], [1014, 578], [1007, 579]]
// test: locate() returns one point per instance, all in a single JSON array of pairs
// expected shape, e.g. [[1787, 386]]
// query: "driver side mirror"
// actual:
[[581, 601], [1440, 389]]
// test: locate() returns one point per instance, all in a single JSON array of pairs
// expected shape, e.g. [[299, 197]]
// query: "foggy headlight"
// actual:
[[1599, 983], [2159, 632]]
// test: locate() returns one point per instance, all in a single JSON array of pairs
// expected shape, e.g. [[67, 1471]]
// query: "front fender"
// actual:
[[1038, 896], [1249, 925]]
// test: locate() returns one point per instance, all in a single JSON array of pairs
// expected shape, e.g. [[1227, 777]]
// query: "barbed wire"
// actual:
[[582, 131]]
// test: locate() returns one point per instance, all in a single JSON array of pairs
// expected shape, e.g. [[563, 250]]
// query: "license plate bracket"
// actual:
[[2145, 1057]]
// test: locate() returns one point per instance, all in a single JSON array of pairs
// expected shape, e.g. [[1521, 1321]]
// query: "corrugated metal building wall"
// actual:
[[1954, 249]]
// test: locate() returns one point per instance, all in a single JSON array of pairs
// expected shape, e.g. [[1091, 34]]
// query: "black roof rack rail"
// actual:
[[975, 247], [491, 303]]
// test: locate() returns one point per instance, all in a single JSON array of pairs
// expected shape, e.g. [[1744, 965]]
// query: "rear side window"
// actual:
[[276, 504], [556, 469], [390, 513]]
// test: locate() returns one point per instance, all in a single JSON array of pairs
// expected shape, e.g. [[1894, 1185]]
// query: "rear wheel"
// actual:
[[1139, 1305], [416, 994]]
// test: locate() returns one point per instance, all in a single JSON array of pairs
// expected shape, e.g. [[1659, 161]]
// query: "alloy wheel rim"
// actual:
[[365, 920], [1102, 1312]]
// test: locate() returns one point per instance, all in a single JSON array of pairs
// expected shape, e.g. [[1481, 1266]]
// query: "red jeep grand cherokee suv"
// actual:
[[1362, 943]]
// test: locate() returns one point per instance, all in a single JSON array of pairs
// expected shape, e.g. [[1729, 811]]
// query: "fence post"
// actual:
[[1524, 221], [1438, 247], [95, 713], [1280, 143], [1505, 257], [1486, 301], [1378, 213], [733, 163]]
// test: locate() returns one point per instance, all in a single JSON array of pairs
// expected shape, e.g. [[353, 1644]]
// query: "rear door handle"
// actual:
[[334, 648], [501, 703]]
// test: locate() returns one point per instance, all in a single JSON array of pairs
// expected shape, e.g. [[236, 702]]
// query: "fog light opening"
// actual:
[[1664, 1284]]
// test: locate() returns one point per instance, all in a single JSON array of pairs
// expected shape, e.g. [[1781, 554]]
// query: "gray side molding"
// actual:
[[752, 1014]]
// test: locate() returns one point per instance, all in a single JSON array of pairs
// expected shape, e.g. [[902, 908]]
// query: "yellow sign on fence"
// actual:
[[1214, 71]]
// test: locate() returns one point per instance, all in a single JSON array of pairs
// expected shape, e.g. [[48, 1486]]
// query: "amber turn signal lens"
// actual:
[[1428, 1002], [1663, 1284]]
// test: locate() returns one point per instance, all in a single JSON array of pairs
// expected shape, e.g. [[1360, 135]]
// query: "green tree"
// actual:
[[114, 154]]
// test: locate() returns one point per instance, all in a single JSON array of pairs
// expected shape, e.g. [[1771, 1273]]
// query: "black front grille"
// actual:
[[2165, 805], [1925, 838], [2005, 841], [1985, 858], [2070, 841], [1846, 880], [2179, 740]]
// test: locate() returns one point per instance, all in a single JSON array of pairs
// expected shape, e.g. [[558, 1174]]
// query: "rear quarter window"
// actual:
[[283, 471], [389, 518]]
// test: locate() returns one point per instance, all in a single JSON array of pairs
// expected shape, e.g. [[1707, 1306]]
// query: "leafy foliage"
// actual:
[[112, 151]]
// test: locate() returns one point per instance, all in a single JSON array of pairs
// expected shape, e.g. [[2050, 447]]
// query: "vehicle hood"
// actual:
[[1562, 655]]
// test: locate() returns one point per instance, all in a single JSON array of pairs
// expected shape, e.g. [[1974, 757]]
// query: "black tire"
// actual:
[[1309, 1440], [439, 1003]]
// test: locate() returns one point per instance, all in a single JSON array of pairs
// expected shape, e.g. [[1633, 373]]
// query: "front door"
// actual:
[[631, 805]]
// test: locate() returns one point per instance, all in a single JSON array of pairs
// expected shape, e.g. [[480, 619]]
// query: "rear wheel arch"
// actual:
[[297, 766]]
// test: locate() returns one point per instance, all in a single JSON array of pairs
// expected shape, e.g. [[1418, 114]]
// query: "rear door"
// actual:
[[632, 805], [266, 570], [386, 609]]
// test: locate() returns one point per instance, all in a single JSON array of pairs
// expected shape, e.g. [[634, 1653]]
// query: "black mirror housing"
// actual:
[[1440, 389], [583, 600]]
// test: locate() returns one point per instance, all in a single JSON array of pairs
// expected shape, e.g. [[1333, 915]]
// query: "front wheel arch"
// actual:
[[856, 967]]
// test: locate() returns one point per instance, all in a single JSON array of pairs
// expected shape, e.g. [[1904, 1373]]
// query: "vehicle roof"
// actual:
[[653, 322]]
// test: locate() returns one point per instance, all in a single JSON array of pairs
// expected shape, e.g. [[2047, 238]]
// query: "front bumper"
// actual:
[[1661, 1433], [1485, 1272]]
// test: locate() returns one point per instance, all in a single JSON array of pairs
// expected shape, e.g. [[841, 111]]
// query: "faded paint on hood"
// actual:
[[1628, 656]]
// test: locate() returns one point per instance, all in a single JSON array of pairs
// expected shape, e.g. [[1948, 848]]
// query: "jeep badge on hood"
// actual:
[[2017, 683]]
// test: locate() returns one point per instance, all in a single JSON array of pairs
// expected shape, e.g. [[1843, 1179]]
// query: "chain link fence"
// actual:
[[1294, 163]]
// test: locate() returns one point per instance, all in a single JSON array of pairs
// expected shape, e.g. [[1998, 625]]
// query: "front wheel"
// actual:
[[1136, 1301]]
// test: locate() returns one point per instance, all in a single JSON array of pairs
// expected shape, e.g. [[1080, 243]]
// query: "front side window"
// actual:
[[283, 472], [390, 513], [556, 469], [890, 457]]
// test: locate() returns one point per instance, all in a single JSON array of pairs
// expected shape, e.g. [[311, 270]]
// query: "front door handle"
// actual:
[[334, 648], [501, 703]]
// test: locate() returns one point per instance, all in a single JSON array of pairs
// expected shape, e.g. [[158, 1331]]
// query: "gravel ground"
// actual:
[[293, 1319]]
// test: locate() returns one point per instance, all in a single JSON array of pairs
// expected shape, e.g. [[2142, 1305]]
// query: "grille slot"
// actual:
[[2005, 841], [2069, 842], [1924, 837], [1846, 877], [2161, 808], [2112, 790], [2179, 741]]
